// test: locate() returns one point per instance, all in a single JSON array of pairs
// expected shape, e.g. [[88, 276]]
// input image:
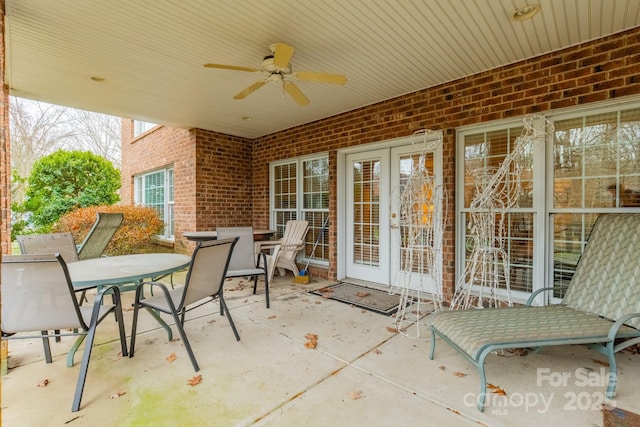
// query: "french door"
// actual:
[[374, 181]]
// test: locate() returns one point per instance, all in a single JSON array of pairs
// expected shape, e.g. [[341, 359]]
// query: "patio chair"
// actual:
[[100, 235], [52, 243], [244, 262], [289, 245], [601, 307], [38, 296], [204, 283], [39, 244]]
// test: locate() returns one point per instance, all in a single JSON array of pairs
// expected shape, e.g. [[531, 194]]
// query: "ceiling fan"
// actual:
[[277, 69]]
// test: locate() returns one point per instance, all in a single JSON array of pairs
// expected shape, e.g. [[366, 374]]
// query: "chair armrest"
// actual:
[[535, 294], [292, 245]]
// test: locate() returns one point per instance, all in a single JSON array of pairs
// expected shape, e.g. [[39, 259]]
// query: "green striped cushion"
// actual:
[[607, 279], [472, 330]]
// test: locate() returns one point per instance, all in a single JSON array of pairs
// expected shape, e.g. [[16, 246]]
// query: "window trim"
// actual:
[[169, 199], [300, 211], [543, 207]]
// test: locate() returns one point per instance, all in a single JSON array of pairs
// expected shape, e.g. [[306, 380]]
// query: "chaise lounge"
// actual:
[[601, 307]]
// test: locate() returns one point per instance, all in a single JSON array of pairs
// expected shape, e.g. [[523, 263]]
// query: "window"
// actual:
[[300, 190], [486, 152], [588, 165], [596, 168], [140, 127], [155, 189]]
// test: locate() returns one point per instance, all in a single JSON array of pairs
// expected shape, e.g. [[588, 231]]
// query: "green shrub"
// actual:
[[137, 231], [66, 180]]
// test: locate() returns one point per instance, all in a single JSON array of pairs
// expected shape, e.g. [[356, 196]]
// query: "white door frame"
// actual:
[[342, 220]]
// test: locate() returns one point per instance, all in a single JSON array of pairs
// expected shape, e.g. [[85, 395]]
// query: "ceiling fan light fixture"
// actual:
[[525, 12]]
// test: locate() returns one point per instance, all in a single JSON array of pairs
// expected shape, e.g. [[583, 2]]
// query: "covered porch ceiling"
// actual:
[[144, 59]]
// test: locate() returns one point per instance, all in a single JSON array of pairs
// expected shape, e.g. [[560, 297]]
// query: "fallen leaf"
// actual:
[[459, 374], [500, 391], [171, 357], [271, 317], [312, 341], [355, 395], [393, 330], [442, 368], [44, 382], [117, 394], [600, 362], [362, 294], [195, 380], [496, 389], [377, 351]]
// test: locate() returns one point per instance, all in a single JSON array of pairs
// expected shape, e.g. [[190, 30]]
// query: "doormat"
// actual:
[[361, 296]]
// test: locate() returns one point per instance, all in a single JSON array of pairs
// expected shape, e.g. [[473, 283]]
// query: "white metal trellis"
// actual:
[[422, 224], [497, 191]]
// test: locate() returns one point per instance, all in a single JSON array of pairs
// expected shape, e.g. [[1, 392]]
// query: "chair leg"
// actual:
[[47, 347], [185, 340], [120, 320], [266, 287], [136, 307], [223, 308], [84, 367]]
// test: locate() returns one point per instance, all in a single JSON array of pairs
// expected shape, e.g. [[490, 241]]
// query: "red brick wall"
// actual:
[[212, 175], [5, 158], [605, 69], [224, 180]]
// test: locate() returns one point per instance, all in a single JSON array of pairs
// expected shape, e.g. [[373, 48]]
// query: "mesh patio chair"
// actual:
[[290, 244], [38, 296], [204, 283], [100, 235], [53, 243], [244, 262]]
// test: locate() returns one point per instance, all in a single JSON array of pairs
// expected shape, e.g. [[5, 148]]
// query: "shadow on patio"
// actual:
[[361, 373]]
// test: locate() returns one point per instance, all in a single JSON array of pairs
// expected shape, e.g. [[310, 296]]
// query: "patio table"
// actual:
[[124, 270], [197, 236]]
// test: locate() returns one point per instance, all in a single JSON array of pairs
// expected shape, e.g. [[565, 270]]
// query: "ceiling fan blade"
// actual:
[[321, 77], [296, 94], [248, 91], [231, 67], [281, 54]]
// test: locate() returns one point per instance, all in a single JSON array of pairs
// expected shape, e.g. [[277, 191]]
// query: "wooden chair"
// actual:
[[289, 245]]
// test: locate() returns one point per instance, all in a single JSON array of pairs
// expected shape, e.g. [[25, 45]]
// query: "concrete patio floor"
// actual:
[[361, 373]]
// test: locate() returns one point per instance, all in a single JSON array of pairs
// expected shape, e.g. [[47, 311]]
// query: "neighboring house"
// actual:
[[352, 163]]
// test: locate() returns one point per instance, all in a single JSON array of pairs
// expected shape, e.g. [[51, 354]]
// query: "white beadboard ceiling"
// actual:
[[150, 53]]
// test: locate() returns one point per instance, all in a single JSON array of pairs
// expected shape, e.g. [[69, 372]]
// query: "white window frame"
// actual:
[[542, 205], [140, 127], [139, 184], [299, 211]]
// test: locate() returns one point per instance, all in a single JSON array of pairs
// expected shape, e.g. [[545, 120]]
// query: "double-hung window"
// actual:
[[155, 189], [587, 163], [300, 190]]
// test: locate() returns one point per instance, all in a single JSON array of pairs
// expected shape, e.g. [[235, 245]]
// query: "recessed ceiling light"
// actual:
[[97, 79], [525, 12]]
